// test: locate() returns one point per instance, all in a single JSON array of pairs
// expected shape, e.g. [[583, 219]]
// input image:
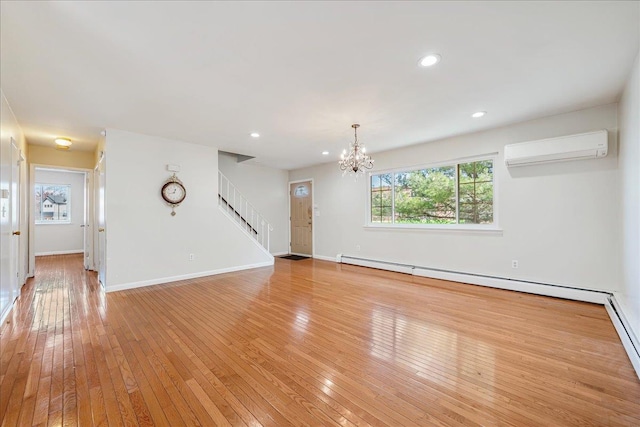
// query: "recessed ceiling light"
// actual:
[[325, 153], [255, 135], [430, 60], [64, 142], [478, 114]]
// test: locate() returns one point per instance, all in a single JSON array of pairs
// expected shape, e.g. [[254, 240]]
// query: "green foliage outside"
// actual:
[[475, 192], [428, 196]]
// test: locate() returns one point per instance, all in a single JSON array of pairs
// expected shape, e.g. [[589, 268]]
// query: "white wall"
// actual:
[[53, 239], [266, 189], [560, 221], [629, 116], [145, 244], [9, 128]]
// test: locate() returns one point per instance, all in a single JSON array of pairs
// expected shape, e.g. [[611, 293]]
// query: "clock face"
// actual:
[[173, 193]]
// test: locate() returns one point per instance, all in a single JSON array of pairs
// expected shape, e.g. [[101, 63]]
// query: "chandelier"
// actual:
[[355, 160]]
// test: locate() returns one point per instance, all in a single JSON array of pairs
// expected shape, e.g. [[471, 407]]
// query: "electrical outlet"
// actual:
[[514, 263], [192, 257]]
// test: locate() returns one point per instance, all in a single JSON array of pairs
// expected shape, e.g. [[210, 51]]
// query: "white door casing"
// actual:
[[101, 220]]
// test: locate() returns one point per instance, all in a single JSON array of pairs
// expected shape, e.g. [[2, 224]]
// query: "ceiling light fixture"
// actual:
[[63, 142], [478, 114], [255, 135], [355, 160], [430, 60], [325, 153]]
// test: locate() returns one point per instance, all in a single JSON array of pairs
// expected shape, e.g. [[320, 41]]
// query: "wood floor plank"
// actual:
[[306, 343]]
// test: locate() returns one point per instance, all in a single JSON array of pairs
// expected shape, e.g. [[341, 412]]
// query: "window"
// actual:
[[301, 191], [53, 203], [460, 193], [381, 206]]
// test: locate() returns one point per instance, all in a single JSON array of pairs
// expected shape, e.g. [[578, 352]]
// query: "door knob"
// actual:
[[16, 233], [100, 230]]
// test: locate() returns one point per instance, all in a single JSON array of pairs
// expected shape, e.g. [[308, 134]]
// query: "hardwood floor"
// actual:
[[307, 343]]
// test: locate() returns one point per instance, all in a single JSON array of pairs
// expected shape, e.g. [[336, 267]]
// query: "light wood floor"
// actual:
[[307, 343]]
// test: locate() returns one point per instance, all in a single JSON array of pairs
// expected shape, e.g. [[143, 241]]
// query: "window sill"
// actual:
[[434, 227]]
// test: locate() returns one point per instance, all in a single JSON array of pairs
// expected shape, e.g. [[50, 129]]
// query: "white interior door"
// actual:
[[101, 220], [14, 211]]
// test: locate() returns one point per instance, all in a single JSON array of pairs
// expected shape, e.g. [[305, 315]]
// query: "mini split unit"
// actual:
[[590, 145]]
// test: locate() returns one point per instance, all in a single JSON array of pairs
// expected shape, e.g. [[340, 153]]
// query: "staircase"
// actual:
[[237, 207]]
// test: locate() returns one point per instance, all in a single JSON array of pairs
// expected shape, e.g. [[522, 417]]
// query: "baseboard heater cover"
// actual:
[[381, 265], [546, 289], [629, 340]]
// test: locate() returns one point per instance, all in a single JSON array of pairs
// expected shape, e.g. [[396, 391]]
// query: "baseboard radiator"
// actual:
[[625, 331], [547, 289], [622, 325]]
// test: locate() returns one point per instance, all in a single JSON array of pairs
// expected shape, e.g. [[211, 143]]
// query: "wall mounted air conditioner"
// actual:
[[590, 145]]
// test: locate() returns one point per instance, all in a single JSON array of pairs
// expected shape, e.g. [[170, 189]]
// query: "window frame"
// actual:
[[494, 226], [52, 222]]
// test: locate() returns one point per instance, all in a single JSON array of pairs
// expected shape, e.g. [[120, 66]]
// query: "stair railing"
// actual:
[[243, 212]]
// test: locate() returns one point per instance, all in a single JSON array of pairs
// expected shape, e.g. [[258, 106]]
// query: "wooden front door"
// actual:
[[301, 218]]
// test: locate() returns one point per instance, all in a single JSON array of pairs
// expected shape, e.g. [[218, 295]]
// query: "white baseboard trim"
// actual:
[[72, 251], [626, 333], [279, 253], [547, 289], [161, 280]]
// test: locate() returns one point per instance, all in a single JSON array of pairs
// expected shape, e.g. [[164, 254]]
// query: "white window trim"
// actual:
[[60, 221], [494, 227]]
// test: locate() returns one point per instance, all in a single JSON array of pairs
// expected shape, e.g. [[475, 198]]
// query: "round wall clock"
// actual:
[[173, 192]]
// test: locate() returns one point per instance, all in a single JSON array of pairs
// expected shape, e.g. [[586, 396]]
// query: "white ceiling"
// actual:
[[300, 73]]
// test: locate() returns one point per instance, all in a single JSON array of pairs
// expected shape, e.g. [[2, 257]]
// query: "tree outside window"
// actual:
[[453, 194], [52, 203]]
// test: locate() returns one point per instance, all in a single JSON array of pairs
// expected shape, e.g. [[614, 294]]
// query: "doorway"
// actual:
[[61, 206], [301, 217]]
